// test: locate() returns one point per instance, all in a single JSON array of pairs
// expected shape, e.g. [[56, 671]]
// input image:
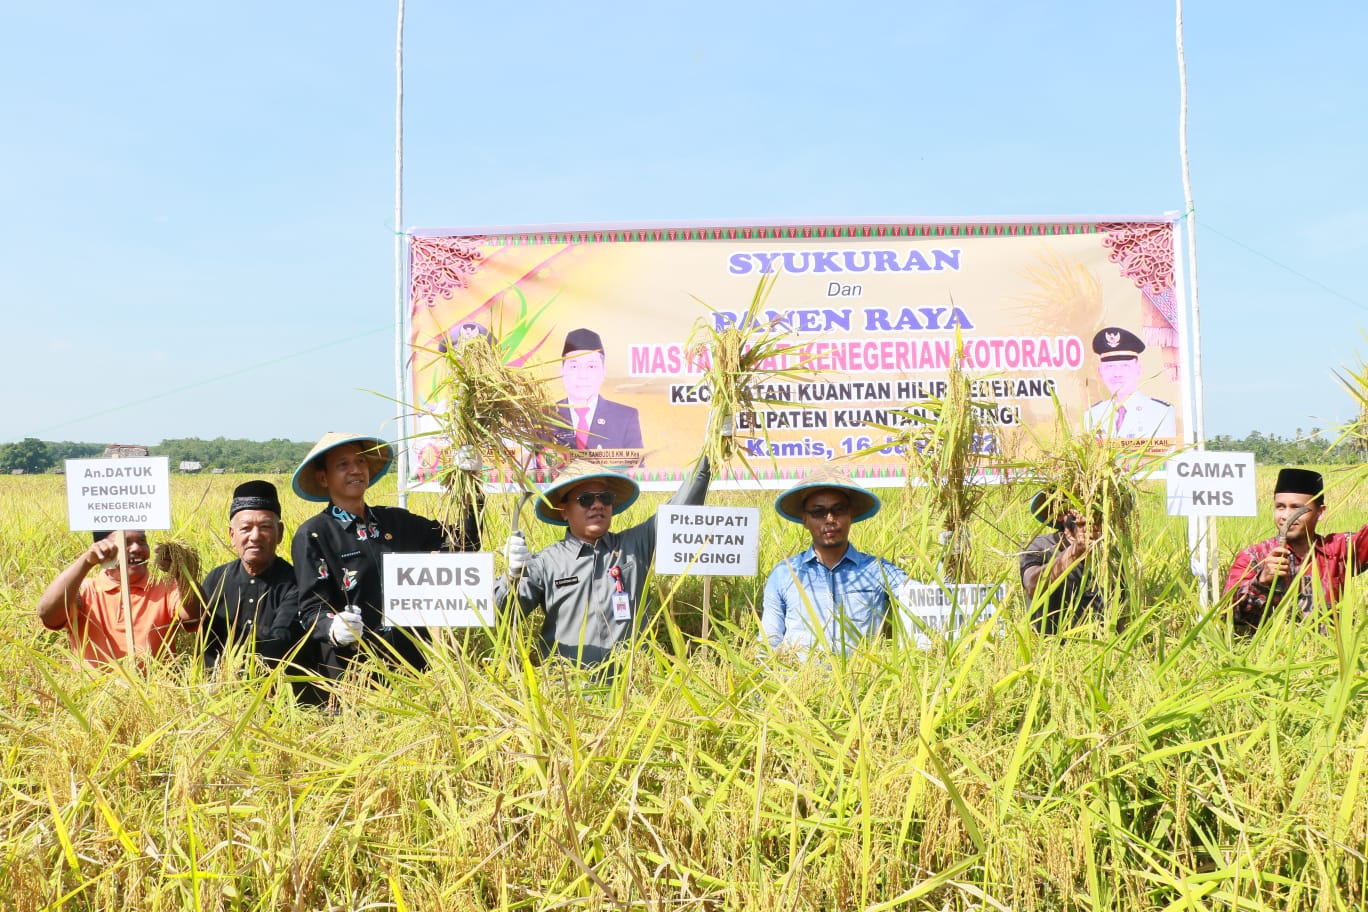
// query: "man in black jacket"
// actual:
[[338, 553], [252, 603]]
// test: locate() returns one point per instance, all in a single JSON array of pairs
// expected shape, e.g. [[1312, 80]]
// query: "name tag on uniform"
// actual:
[[566, 581], [622, 606]]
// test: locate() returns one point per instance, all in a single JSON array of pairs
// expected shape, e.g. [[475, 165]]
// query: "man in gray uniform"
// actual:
[[1126, 412], [592, 581]]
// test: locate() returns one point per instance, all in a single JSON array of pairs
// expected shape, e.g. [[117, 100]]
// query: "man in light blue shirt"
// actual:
[[831, 596]]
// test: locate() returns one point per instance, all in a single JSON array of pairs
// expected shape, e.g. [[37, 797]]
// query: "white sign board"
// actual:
[[439, 590], [707, 541], [118, 493], [1211, 484], [944, 608]]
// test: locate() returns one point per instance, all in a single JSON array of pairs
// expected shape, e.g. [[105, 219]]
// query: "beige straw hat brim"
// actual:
[[576, 473], [863, 502], [378, 453]]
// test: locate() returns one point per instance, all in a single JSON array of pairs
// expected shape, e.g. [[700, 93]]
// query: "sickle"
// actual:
[[523, 498], [1282, 539], [1296, 515]]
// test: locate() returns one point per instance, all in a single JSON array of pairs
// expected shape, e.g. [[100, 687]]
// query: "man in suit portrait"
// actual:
[[592, 422], [1126, 412]]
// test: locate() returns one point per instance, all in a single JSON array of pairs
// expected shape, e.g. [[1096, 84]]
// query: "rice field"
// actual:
[[1175, 765]]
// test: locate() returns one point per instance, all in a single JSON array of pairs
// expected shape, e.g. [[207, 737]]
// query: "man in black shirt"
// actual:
[[338, 553], [253, 603], [1055, 566]]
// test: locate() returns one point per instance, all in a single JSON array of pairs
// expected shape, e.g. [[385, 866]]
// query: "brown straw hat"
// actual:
[[379, 456], [578, 472], [863, 502]]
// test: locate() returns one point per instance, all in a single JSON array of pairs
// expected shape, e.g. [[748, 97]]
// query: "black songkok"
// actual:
[[254, 495], [1112, 343], [582, 340], [100, 535], [1299, 481]]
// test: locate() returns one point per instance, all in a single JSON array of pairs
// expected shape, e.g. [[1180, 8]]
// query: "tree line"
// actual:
[[1299, 449], [277, 455]]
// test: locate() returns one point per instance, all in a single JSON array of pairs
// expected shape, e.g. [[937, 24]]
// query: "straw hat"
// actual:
[[863, 502], [576, 473], [378, 455], [1049, 504], [1041, 507]]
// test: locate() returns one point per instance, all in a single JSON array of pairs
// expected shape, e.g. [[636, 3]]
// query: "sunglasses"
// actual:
[[586, 500], [836, 510]]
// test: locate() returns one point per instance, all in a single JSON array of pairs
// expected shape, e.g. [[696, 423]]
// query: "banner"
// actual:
[[1085, 312]]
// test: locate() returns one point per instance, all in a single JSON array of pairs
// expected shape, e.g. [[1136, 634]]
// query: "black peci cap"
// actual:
[[254, 495], [1112, 343], [1299, 481], [582, 340]]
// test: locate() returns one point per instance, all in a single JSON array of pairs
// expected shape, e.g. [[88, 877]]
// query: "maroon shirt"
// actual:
[[1334, 557]]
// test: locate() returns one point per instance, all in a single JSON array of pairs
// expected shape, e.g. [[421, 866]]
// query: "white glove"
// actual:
[[516, 554], [346, 628], [468, 459]]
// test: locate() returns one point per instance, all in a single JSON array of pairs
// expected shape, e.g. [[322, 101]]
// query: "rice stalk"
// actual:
[[1352, 435], [739, 361], [1098, 772], [1099, 480], [179, 561], [949, 445], [495, 413]]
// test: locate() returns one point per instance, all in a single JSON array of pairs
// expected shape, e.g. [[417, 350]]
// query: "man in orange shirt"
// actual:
[[91, 610]]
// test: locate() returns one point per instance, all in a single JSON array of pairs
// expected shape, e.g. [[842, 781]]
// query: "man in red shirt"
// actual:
[[1264, 573], [91, 610]]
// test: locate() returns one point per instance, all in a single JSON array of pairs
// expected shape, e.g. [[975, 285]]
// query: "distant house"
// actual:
[[125, 450], [216, 471], [190, 466]]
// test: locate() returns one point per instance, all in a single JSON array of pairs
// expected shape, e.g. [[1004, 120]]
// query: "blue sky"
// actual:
[[197, 236]]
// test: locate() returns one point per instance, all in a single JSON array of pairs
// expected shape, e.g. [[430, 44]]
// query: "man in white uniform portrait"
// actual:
[[1126, 412]]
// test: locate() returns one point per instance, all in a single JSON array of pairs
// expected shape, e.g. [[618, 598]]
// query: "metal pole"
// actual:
[[1199, 409], [400, 298]]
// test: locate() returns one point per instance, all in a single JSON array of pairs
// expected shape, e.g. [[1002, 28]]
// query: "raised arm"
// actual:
[[1046, 567], [526, 585], [1246, 586], [694, 491], [62, 597]]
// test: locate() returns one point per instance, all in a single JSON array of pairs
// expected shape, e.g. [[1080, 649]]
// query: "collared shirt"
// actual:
[[337, 563], [1139, 416], [591, 407], [259, 611], [807, 604], [574, 582], [1333, 558], [1068, 600], [96, 628]]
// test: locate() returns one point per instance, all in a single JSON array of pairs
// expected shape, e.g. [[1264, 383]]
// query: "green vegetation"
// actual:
[[266, 456], [1172, 766], [1299, 449]]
